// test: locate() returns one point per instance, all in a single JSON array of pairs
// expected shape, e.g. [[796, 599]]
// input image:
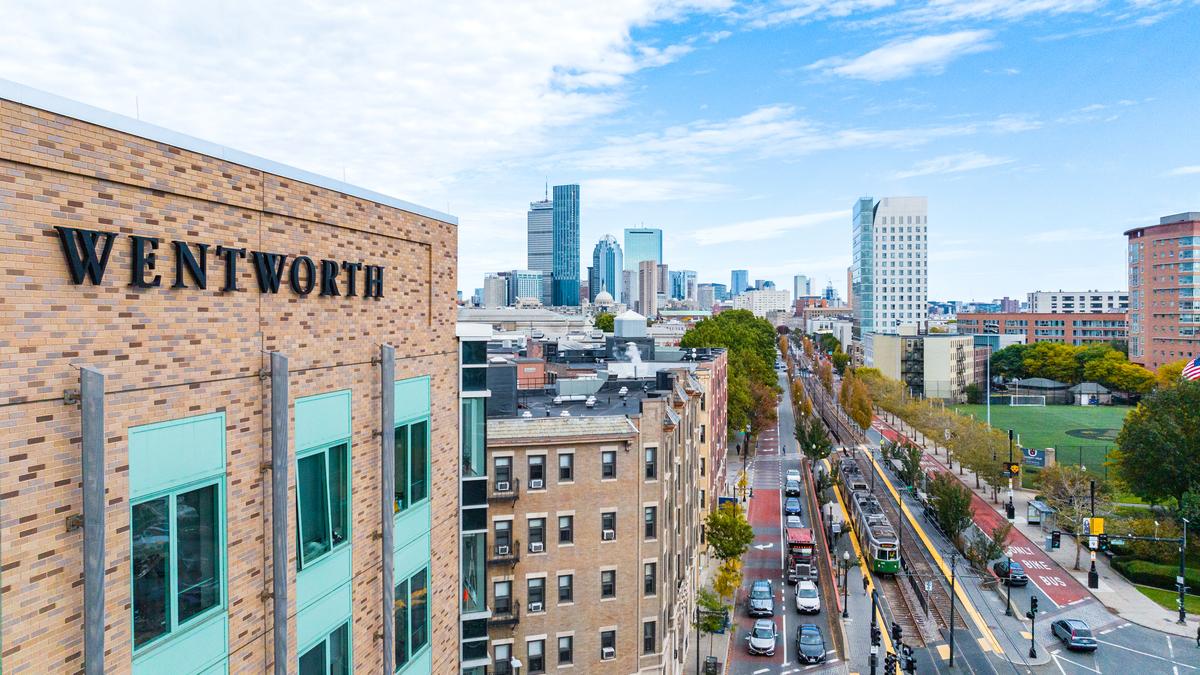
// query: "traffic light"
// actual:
[[889, 663], [876, 636], [896, 632], [908, 660], [1033, 603], [1103, 542]]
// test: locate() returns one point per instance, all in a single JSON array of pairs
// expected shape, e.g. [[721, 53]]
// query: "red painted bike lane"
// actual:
[[1055, 582], [761, 563]]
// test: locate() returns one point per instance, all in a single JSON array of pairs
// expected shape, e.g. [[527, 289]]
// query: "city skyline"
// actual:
[[657, 113]]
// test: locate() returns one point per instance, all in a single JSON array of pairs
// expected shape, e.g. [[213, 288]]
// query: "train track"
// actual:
[[917, 569]]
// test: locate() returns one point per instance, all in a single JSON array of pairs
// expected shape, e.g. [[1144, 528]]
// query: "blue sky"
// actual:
[[1038, 129]]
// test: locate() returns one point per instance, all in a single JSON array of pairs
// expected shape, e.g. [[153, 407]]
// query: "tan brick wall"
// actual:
[[169, 353]]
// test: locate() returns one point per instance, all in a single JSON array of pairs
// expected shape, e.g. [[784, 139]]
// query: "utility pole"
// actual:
[[1008, 589], [1182, 574], [875, 634], [1093, 576], [1011, 509], [988, 395]]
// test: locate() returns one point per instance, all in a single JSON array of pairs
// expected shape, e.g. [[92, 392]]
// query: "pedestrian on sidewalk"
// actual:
[[1198, 636], [867, 582]]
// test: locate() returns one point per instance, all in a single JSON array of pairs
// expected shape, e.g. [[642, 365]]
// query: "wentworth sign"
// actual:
[[87, 254]]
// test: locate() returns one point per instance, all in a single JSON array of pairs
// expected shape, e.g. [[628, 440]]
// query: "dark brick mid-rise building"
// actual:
[[1071, 329]]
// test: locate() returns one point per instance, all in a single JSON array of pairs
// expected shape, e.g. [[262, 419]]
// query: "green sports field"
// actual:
[[1079, 434]]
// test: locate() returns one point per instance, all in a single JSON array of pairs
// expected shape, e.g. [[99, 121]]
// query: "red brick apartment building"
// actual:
[[1071, 329], [1164, 290]]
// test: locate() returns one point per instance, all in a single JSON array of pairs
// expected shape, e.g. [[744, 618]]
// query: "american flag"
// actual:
[[1191, 369]]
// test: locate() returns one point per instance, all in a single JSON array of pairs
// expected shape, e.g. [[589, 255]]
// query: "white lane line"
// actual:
[[1074, 663], [1170, 647], [1135, 651], [760, 671], [1054, 654]]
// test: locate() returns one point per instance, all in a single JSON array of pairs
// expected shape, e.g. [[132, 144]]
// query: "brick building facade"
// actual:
[[1071, 329], [1164, 325], [173, 314]]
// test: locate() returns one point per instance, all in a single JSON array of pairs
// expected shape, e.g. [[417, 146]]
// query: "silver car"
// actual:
[[762, 638]]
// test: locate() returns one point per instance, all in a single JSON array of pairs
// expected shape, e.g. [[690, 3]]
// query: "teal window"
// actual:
[[322, 501], [176, 560], [330, 656], [474, 425], [412, 464], [412, 616]]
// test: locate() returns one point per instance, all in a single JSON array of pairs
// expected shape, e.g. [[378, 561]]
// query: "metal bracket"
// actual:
[[264, 467], [264, 595], [70, 397], [74, 522], [377, 535], [264, 374]]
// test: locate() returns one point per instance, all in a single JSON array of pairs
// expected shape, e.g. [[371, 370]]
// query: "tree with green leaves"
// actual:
[[1053, 361], [1010, 361], [812, 438], [1067, 489], [604, 321], [1158, 448], [910, 463], [713, 614], [984, 549], [840, 361], [951, 503], [750, 343], [729, 533]]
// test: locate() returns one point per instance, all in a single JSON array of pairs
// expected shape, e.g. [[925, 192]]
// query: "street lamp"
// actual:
[[845, 584]]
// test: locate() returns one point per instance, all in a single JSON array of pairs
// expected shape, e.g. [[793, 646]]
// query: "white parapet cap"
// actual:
[[36, 98], [473, 331]]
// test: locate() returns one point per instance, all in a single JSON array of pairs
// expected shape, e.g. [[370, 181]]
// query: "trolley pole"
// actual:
[[953, 563]]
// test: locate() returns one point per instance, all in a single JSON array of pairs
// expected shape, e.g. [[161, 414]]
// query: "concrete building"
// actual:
[[932, 366], [641, 244], [647, 302], [889, 268], [1163, 284], [1074, 329], [540, 241], [1073, 302], [258, 437], [764, 302], [706, 296], [524, 285], [495, 291], [607, 265], [739, 281], [566, 246], [595, 528]]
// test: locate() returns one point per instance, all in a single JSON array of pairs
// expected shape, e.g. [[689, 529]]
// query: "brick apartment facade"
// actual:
[[1071, 329], [631, 589], [187, 396], [714, 437], [1164, 325]]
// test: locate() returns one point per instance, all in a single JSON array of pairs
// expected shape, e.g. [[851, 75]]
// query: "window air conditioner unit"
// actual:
[[535, 606], [608, 654], [536, 546], [609, 535], [503, 486], [501, 550], [535, 484]]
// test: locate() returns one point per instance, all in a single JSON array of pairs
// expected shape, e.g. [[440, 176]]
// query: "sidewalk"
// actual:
[[1115, 592], [715, 645]]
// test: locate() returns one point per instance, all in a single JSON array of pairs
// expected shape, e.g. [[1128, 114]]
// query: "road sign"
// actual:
[[1093, 542], [928, 586], [1096, 526], [1033, 457], [1011, 469]]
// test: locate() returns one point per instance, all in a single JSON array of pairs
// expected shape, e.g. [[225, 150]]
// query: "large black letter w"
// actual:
[[80, 248]]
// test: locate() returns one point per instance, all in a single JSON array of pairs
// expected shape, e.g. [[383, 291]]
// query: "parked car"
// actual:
[[792, 488], [762, 638], [794, 521], [1010, 573], [810, 644], [792, 474], [762, 598], [791, 506], [1074, 634], [808, 600]]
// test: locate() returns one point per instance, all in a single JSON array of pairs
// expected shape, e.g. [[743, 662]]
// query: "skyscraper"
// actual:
[[739, 280], [642, 243], [540, 224], [705, 296], [524, 285], [677, 284], [889, 259], [648, 288], [801, 286], [720, 292], [607, 265], [566, 245]]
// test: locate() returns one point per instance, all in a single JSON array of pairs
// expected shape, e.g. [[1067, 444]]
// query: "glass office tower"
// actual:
[[566, 245]]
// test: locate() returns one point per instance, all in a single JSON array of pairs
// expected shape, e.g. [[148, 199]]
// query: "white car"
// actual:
[[808, 600], [794, 521], [792, 474], [762, 638]]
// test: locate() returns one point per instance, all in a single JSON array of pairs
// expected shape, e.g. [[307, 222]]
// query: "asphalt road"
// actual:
[[776, 454]]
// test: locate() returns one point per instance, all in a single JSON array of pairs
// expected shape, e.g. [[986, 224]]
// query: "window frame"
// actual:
[[570, 650], [411, 629], [604, 515], [650, 458], [650, 519], [536, 668], [612, 583], [174, 626], [652, 624], [608, 635], [608, 470], [570, 467], [570, 588], [325, 641], [569, 529], [408, 424], [529, 588], [650, 578], [539, 461], [324, 449]]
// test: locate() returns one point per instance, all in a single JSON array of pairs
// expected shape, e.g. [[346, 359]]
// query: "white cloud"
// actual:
[[906, 57], [773, 131], [404, 97], [764, 228], [605, 192], [1185, 170], [967, 161], [765, 15], [1072, 234]]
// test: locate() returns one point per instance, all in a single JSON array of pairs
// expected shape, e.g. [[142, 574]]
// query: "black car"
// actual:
[[792, 488], [1074, 634], [810, 644], [1011, 573], [791, 507]]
